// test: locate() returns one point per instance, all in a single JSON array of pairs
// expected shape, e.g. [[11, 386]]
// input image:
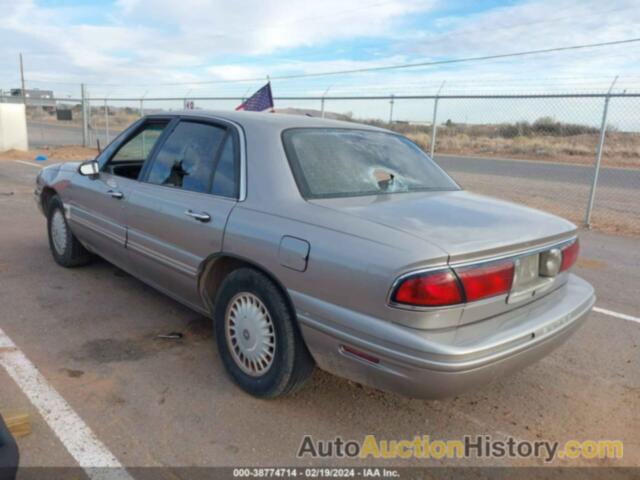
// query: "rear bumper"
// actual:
[[441, 363]]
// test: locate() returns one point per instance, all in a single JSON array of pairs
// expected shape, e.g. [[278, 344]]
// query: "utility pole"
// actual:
[[24, 94], [391, 110]]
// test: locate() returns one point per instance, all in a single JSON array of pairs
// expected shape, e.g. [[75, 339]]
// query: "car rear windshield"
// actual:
[[340, 162]]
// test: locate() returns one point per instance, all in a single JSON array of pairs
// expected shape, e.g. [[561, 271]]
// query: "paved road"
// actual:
[[43, 134], [625, 178], [92, 333]]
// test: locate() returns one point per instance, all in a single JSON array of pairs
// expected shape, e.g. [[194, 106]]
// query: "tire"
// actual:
[[65, 248], [248, 294]]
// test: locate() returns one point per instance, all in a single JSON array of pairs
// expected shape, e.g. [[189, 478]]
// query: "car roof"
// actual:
[[276, 121]]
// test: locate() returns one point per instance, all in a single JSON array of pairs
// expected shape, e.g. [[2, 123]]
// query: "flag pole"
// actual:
[[273, 108]]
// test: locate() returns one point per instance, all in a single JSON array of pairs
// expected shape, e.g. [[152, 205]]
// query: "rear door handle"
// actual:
[[200, 216], [116, 194]]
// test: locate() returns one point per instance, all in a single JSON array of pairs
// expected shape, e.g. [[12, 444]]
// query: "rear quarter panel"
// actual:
[[345, 269]]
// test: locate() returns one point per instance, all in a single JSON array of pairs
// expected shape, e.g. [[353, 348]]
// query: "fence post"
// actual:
[[106, 122], [322, 100], [434, 127], [596, 167], [434, 120], [142, 104], [84, 115]]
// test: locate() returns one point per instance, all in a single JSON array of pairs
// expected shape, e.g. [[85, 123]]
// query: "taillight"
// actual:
[[431, 289], [569, 255], [446, 287], [486, 280]]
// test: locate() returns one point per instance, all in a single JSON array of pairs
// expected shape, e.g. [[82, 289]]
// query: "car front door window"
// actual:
[[130, 157]]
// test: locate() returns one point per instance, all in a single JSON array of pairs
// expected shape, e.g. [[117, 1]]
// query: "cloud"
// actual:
[[255, 27], [155, 42]]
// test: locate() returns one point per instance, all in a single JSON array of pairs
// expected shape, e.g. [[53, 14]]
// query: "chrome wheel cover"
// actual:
[[250, 333], [59, 232]]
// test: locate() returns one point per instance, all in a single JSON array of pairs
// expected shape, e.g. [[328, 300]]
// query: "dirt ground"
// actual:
[[615, 212], [69, 153]]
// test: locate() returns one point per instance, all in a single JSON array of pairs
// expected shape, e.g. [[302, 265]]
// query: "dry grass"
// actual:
[[118, 117], [620, 150]]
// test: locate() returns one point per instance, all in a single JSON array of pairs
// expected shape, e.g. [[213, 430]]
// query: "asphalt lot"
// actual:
[[91, 332]]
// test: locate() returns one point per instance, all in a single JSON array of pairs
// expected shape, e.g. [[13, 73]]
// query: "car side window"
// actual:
[[186, 159], [225, 181], [131, 155]]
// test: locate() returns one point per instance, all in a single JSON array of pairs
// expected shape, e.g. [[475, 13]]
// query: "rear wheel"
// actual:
[[66, 250], [258, 339]]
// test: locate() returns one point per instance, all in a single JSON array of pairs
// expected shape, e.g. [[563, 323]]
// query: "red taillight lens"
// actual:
[[486, 281], [434, 289], [569, 255]]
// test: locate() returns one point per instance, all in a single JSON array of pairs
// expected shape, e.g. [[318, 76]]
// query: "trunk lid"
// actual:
[[467, 226]]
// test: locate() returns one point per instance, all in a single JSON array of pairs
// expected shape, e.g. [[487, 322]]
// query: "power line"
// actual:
[[385, 67], [441, 62], [410, 65]]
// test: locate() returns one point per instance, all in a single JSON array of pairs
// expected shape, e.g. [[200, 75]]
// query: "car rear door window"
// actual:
[[186, 159], [225, 179]]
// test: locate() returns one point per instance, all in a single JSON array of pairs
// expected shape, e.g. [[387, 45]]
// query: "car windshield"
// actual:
[[339, 162]]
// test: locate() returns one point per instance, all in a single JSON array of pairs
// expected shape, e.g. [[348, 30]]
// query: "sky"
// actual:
[[162, 48]]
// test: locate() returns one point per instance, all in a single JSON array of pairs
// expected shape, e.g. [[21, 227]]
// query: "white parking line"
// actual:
[[27, 163], [611, 313], [76, 436]]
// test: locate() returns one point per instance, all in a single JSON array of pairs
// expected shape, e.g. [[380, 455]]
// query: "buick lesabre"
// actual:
[[317, 242]]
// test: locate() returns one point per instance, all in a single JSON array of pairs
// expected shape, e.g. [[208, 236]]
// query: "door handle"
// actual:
[[200, 216], [116, 194]]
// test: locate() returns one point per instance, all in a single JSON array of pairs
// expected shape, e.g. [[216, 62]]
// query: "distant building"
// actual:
[[34, 97]]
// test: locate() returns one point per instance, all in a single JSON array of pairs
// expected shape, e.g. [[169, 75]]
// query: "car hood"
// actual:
[[465, 225]]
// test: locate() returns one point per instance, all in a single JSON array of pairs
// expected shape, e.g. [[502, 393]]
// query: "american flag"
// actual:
[[260, 101]]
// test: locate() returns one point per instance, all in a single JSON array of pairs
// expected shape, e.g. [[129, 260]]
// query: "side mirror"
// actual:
[[89, 169]]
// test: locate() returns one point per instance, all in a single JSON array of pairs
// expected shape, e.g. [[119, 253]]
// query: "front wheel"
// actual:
[[67, 251], [258, 339]]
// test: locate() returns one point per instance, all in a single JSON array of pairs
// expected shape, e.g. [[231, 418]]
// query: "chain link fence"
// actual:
[[539, 150]]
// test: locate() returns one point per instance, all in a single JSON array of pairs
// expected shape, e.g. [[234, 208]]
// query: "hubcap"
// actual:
[[59, 232], [250, 334]]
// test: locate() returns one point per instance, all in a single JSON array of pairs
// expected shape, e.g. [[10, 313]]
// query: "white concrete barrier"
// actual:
[[13, 127]]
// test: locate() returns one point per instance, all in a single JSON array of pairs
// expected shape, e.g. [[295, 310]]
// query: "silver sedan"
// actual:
[[316, 242]]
